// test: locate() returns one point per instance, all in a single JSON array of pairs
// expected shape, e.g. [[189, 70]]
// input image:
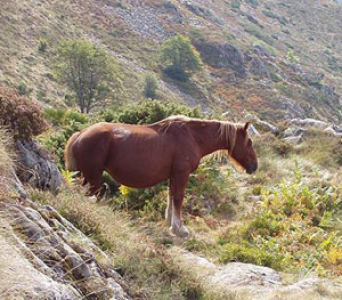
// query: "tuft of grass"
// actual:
[[7, 165]]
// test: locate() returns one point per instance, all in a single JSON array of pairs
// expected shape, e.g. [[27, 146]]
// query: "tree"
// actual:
[[88, 70], [150, 86], [179, 58]]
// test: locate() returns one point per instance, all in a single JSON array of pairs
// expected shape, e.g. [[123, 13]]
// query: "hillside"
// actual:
[[272, 235], [274, 58]]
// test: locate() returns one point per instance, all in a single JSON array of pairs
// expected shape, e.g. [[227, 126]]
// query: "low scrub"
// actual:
[[292, 228], [20, 114]]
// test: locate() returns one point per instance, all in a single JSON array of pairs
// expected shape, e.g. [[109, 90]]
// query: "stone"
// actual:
[[309, 123], [252, 131], [293, 132], [54, 264], [294, 140], [222, 56], [36, 168]]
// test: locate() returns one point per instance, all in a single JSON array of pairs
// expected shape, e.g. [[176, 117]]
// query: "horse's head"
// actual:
[[243, 152]]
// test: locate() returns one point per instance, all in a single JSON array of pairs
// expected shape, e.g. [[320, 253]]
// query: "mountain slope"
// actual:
[[277, 59]]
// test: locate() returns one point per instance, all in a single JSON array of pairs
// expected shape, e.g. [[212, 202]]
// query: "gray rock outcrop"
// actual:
[[222, 56], [35, 167], [48, 258]]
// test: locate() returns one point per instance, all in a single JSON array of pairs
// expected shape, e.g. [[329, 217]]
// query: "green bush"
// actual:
[[150, 86], [235, 4], [243, 253], [23, 116], [61, 116], [151, 111], [43, 44], [179, 58], [22, 89], [254, 3]]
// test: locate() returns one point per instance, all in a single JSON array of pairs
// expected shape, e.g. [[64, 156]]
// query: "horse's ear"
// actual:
[[246, 126]]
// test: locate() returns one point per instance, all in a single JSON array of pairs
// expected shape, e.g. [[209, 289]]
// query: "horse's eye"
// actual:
[[250, 142]]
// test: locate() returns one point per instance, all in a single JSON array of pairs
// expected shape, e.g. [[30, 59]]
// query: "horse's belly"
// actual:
[[137, 175]]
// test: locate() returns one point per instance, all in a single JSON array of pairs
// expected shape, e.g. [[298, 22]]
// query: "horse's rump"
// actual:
[[70, 163]]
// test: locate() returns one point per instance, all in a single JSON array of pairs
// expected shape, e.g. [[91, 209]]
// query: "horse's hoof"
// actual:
[[180, 231]]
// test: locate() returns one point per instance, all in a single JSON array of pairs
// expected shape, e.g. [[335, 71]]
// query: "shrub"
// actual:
[[151, 111], [42, 45], [235, 4], [23, 116], [242, 253], [61, 116], [179, 58], [22, 89], [254, 3], [150, 86]]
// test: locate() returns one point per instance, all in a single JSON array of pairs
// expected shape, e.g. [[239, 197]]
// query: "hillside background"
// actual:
[[278, 59]]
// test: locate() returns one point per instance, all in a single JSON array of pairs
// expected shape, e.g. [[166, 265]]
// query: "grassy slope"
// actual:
[[311, 29]]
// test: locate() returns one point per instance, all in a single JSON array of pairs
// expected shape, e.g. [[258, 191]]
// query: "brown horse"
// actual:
[[142, 156]]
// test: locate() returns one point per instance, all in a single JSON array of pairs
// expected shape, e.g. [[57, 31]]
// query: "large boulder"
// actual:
[[35, 167]]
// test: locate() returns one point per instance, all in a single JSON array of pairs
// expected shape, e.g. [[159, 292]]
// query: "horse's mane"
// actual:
[[226, 130]]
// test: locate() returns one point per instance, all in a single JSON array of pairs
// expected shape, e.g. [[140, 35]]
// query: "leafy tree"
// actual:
[[88, 70], [179, 58], [150, 86]]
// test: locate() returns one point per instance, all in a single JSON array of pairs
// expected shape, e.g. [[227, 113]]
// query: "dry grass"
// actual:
[[6, 162], [144, 265]]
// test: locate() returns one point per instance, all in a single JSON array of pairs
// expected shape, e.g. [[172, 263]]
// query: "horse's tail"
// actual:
[[69, 159]]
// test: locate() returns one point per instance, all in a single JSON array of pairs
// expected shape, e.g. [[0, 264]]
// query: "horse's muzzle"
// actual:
[[251, 168]]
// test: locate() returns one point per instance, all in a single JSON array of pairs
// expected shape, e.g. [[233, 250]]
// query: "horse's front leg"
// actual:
[[177, 188], [168, 210]]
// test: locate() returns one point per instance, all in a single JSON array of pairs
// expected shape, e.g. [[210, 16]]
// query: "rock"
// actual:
[[262, 124], [294, 140], [332, 130], [222, 56], [252, 130], [56, 265], [20, 277], [145, 20], [258, 67], [261, 50], [291, 109], [269, 127], [254, 282], [309, 123], [293, 132], [36, 168], [245, 274]]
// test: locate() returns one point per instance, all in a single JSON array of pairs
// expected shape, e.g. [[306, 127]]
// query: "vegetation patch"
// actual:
[[21, 115]]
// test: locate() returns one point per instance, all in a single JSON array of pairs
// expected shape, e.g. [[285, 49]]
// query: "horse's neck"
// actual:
[[208, 137]]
